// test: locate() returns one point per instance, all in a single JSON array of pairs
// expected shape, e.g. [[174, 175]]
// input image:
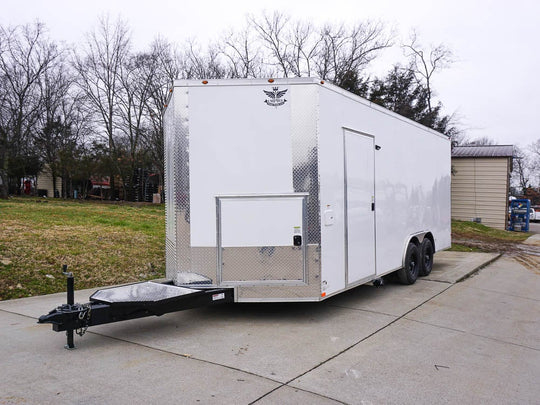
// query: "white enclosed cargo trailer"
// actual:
[[296, 190], [282, 190]]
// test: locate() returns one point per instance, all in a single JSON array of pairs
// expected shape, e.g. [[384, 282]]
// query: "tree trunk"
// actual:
[[53, 174], [4, 192]]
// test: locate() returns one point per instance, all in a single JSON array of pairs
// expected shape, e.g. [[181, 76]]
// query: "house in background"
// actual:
[[44, 183], [480, 184]]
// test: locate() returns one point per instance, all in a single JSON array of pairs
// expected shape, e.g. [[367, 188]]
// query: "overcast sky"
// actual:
[[493, 86]]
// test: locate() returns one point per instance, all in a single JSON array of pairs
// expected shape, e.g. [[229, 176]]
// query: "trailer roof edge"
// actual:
[[303, 81]]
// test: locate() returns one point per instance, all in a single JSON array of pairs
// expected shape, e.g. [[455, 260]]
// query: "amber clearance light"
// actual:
[[270, 80]]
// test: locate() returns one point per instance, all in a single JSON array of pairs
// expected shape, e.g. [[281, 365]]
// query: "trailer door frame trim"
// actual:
[[303, 280], [371, 262]]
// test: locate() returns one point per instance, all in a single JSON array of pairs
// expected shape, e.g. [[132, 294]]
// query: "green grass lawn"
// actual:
[[101, 243], [106, 244], [474, 237], [474, 230]]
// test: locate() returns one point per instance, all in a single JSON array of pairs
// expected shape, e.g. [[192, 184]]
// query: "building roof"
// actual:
[[483, 151]]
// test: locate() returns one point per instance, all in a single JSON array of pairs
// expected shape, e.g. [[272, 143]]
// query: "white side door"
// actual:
[[359, 206]]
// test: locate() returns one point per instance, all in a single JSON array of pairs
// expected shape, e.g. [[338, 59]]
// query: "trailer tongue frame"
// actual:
[[130, 301]]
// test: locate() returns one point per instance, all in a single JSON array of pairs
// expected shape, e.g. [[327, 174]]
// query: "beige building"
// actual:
[[44, 183], [480, 183]]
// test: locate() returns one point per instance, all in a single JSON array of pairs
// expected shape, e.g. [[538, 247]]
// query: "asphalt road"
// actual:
[[435, 342]]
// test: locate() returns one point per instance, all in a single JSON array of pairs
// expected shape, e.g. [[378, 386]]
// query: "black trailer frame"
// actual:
[[126, 302]]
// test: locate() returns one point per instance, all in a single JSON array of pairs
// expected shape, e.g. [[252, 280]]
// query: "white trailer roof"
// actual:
[[299, 81]]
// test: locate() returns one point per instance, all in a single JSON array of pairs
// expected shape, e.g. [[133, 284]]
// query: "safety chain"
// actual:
[[84, 316]]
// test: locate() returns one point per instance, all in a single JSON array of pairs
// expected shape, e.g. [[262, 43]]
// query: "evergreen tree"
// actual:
[[400, 92]]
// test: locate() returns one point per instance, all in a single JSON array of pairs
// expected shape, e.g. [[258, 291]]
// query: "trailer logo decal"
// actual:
[[275, 97]]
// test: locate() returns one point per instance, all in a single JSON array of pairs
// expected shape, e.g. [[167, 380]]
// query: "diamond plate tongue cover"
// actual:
[[140, 292]]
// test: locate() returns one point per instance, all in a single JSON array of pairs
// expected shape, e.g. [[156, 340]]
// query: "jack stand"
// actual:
[[70, 301]]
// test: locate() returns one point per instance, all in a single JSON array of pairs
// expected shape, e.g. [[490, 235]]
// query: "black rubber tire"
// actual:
[[409, 273], [426, 261]]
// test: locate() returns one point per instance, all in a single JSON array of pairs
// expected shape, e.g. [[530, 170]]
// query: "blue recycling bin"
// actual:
[[519, 215]]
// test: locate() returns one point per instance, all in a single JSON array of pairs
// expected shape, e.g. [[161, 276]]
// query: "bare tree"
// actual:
[[425, 64], [5, 122], [304, 43], [54, 86], [197, 63], [63, 124], [167, 71], [349, 49], [271, 29], [521, 169], [241, 54], [534, 149], [138, 76], [99, 71], [296, 48], [168, 60], [25, 55]]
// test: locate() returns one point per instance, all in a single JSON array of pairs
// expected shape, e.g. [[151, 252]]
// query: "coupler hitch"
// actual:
[[70, 317]]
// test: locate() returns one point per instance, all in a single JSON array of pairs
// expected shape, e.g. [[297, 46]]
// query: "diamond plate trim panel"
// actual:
[[176, 133], [304, 134], [181, 180], [262, 264], [140, 292], [311, 291], [170, 213], [170, 258], [204, 262]]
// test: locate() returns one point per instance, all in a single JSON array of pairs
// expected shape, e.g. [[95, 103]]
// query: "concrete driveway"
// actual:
[[437, 341], [534, 227]]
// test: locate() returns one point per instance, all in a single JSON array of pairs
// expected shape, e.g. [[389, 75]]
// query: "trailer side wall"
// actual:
[[411, 186]]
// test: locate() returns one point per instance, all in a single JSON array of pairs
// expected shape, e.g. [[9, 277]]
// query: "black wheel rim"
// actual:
[[427, 258], [412, 264]]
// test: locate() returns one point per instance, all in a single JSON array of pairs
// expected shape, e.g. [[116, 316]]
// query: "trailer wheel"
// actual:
[[426, 262], [409, 273]]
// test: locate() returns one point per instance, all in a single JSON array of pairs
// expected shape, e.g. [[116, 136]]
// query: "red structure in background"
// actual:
[[27, 187], [100, 189]]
